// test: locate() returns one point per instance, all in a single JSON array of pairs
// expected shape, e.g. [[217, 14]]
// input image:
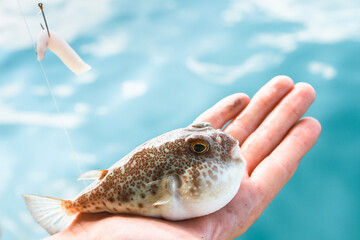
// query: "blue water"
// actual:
[[156, 66]]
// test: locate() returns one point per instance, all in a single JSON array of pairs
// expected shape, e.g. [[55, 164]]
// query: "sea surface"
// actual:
[[156, 66]]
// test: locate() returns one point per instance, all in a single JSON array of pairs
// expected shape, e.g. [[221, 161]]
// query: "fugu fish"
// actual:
[[186, 173]]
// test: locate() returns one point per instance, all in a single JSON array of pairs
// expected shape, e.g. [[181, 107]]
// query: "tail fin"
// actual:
[[48, 212]]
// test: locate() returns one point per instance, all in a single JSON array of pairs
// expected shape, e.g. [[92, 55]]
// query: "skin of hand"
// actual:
[[273, 139]]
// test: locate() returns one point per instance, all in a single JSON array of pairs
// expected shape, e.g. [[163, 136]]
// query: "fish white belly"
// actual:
[[224, 191]]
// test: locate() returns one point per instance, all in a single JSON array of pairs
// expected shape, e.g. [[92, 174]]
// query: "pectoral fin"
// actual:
[[163, 200], [173, 183], [170, 186], [94, 174]]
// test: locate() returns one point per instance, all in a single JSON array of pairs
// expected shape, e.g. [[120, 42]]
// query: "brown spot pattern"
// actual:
[[138, 176]]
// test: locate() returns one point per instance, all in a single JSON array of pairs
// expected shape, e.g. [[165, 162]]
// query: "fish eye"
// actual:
[[199, 146]]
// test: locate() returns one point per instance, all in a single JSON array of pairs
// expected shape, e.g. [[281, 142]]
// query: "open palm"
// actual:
[[273, 140]]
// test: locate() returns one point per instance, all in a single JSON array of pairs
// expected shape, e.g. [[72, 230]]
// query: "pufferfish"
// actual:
[[186, 173]]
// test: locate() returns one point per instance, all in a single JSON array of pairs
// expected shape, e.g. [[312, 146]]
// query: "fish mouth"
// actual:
[[235, 153]]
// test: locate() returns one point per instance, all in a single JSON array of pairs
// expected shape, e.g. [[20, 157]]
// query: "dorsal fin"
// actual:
[[93, 174]]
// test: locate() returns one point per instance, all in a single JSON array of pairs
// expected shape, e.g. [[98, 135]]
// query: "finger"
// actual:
[[225, 110], [275, 127], [276, 170], [260, 105]]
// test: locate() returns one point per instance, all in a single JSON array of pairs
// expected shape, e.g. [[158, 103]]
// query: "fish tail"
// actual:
[[54, 215]]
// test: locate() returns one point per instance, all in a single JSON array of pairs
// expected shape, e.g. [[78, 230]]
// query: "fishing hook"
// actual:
[[41, 6]]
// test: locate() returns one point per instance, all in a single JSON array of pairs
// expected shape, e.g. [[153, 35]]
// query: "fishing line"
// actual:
[[74, 153]]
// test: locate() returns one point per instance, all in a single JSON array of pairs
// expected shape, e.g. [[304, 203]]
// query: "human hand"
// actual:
[[273, 140]]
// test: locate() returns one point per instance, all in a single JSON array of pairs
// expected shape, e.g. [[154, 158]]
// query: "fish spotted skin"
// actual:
[[165, 177], [138, 181]]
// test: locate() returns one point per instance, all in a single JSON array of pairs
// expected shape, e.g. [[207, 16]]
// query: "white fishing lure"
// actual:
[[62, 49]]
